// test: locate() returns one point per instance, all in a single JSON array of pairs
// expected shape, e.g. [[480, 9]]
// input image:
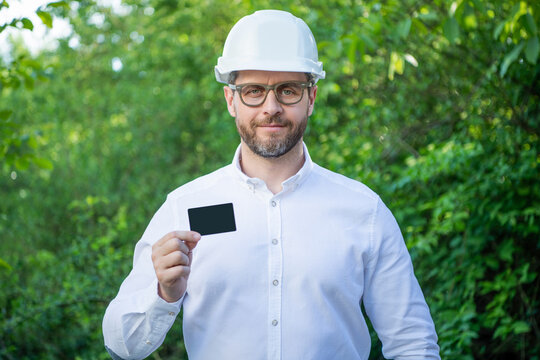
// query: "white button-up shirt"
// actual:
[[287, 284]]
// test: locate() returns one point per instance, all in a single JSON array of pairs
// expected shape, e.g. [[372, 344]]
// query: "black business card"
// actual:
[[213, 219]]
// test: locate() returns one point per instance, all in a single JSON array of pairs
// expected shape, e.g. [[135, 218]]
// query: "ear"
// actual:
[[312, 95], [229, 97]]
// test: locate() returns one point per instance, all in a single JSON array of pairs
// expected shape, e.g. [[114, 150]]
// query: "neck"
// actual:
[[273, 171]]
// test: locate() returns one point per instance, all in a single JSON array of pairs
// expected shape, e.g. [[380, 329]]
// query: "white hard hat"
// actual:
[[270, 40]]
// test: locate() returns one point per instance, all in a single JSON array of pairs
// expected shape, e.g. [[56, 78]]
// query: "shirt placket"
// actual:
[[275, 279]]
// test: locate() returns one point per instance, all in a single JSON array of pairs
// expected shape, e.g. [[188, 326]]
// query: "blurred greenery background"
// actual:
[[433, 104]]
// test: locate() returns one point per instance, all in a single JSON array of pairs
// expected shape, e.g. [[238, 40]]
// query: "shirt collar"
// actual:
[[291, 183]]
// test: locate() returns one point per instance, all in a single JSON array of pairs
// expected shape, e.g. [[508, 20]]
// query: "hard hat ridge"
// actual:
[[270, 40]]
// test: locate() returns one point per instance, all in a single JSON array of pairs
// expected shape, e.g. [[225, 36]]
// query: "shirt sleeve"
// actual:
[[392, 298], [137, 319]]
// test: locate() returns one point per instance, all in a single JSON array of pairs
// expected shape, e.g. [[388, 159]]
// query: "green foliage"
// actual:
[[434, 105], [49, 295], [18, 147]]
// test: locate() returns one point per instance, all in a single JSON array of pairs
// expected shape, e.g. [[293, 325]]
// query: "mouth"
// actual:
[[272, 125], [272, 128]]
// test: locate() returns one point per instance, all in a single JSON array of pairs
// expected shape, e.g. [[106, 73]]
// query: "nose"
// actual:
[[271, 105]]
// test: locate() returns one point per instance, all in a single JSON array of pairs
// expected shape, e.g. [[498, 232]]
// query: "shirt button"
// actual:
[[171, 313], [274, 241], [274, 322], [274, 203], [148, 342], [275, 282]]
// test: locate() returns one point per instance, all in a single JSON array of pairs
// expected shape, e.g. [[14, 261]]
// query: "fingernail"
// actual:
[[196, 236]]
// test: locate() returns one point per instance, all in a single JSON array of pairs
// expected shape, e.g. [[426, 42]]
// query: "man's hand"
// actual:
[[171, 257]]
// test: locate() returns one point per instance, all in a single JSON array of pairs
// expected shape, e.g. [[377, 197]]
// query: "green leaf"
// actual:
[[5, 114], [530, 25], [27, 24], [28, 81], [32, 142], [521, 327], [45, 17], [498, 30], [351, 52], [396, 65], [43, 163], [478, 4], [531, 50], [366, 39], [22, 163], [451, 29], [55, 4], [4, 264], [514, 10], [510, 58], [403, 28]]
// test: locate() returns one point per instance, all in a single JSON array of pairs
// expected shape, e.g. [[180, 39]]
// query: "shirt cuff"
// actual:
[[161, 315], [160, 303]]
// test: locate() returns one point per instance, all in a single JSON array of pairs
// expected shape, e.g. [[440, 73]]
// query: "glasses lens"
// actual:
[[253, 94], [289, 93]]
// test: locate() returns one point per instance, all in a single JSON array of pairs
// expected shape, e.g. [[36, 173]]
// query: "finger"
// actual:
[[182, 235], [170, 254], [188, 236], [165, 238], [176, 258], [174, 244], [168, 277], [192, 242], [169, 245]]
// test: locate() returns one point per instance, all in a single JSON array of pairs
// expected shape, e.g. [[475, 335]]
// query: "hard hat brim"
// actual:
[[226, 66]]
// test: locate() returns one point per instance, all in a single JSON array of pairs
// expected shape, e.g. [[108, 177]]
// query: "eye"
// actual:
[[252, 91], [290, 89]]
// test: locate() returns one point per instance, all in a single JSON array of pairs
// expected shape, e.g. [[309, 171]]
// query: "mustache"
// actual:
[[272, 120]]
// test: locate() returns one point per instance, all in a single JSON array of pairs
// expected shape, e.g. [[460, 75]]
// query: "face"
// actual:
[[271, 129]]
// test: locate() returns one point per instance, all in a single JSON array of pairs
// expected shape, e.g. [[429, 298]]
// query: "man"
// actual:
[[292, 249]]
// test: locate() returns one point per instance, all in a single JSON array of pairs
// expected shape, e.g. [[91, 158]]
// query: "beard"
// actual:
[[277, 145]]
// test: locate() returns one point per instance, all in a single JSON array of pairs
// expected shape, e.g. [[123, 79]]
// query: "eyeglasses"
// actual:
[[287, 93]]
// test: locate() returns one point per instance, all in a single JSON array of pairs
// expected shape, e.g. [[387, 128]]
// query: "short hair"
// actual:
[[310, 78], [232, 77]]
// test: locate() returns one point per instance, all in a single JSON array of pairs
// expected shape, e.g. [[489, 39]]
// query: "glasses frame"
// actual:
[[303, 84]]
